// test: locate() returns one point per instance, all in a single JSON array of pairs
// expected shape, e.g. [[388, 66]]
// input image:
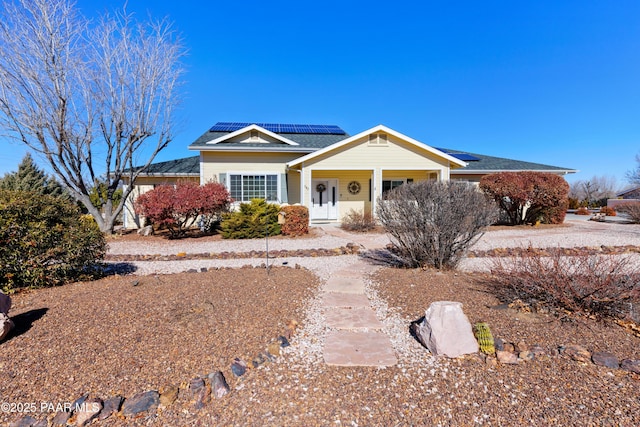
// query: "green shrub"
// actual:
[[358, 221], [296, 220], [252, 220], [45, 241]]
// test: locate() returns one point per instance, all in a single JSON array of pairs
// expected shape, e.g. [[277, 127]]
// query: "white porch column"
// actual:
[[376, 191]]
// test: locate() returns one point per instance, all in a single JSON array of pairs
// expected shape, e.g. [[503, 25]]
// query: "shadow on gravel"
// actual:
[[24, 321], [381, 257], [121, 268]]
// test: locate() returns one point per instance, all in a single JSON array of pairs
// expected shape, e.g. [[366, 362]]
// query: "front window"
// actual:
[[243, 188]]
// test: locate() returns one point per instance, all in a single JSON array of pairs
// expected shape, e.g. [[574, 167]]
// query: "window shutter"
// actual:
[[223, 179], [284, 196]]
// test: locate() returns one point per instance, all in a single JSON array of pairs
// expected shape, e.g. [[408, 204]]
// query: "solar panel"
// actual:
[[280, 128], [465, 157]]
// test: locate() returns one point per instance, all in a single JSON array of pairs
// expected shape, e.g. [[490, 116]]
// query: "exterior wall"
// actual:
[[293, 183], [215, 163], [362, 162], [395, 154], [473, 178]]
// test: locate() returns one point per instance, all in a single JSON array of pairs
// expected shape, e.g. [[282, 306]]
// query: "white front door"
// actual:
[[324, 199]]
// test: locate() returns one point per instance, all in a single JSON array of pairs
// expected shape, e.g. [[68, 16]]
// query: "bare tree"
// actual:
[[633, 176], [595, 190], [94, 99]]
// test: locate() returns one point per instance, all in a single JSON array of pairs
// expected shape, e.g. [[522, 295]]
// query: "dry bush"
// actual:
[[608, 211], [601, 285], [358, 221], [630, 209], [583, 211], [432, 223]]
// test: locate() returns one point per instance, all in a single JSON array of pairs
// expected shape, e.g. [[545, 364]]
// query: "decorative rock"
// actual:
[[631, 365], [604, 358], [238, 367], [41, 423], [219, 384], [284, 342], [25, 421], [141, 402], [506, 357], [60, 419], [146, 231], [274, 349], [87, 411], [526, 355], [507, 346], [537, 350], [577, 353], [5, 303], [110, 406], [521, 346], [259, 360], [446, 330], [491, 361], [201, 392], [168, 396], [499, 344], [6, 325]]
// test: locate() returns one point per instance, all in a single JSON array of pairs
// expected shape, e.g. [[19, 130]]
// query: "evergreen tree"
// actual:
[[33, 179]]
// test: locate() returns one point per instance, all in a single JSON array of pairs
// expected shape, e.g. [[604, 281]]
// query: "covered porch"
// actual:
[[332, 194]]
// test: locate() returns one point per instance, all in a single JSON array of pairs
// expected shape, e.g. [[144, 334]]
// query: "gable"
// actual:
[[382, 147]]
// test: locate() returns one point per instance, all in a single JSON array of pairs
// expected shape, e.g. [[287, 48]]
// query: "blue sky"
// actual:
[[546, 81]]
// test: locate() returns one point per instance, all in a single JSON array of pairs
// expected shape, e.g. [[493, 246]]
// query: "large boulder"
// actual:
[[5, 303], [6, 325], [446, 330]]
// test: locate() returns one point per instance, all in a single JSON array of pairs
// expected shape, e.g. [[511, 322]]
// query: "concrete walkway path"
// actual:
[[356, 336]]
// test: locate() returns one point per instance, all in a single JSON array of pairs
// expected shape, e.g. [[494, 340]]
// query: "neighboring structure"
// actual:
[[629, 195], [320, 166]]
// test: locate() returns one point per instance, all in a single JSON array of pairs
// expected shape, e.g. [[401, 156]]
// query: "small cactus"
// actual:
[[485, 339]]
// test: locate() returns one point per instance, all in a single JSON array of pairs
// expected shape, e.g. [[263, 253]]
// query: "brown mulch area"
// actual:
[[109, 337], [124, 335]]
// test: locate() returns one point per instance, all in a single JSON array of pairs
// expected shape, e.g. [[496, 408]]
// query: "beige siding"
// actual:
[[293, 179], [395, 154], [213, 164]]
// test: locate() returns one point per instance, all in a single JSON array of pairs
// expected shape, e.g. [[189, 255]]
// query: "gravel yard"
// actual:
[[127, 334]]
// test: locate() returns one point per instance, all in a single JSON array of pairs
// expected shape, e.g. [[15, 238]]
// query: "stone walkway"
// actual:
[[356, 336]]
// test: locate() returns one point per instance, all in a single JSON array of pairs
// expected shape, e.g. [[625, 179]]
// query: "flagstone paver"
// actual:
[[350, 348], [352, 318]]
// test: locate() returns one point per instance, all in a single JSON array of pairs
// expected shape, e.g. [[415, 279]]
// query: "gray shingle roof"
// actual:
[[186, 166], [490, 163], [308, 142]]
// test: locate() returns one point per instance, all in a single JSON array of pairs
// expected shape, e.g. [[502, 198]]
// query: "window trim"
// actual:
[[243, 174]]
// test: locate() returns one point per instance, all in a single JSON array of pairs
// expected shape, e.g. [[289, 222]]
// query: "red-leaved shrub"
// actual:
[[296, 220], [181, 206], [583, 211], [608, 211], [528, 197]]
